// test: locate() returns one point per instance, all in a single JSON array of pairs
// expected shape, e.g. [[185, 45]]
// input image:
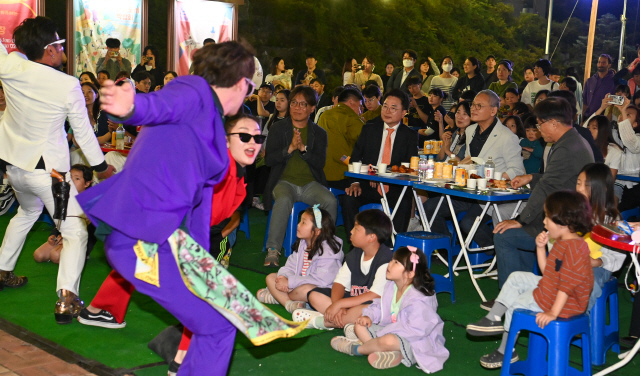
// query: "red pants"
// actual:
[[114, 296]]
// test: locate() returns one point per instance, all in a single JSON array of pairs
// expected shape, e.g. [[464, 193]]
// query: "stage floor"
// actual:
[[27, 313]]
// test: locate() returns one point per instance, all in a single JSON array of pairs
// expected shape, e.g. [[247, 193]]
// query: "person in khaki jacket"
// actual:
[[343, 125]]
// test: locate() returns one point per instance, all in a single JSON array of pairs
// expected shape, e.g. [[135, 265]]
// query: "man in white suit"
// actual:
[[488, 137], [33, 143]]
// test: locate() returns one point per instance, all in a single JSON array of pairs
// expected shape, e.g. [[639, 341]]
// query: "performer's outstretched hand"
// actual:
[[116, 100]]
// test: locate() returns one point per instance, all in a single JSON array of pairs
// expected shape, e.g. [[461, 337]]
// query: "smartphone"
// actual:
[[451, 114], [616, 99]]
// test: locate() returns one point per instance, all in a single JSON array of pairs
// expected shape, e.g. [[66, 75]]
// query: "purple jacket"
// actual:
[[322, 270], [418, 322], [171, 170], [594, 91]]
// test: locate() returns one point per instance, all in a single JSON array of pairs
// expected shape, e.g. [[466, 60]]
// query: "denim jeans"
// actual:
[[285, 195], [515, 252]]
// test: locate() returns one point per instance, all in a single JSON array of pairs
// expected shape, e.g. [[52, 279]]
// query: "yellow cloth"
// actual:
[[594, 248], [372, 114], [147, 268]]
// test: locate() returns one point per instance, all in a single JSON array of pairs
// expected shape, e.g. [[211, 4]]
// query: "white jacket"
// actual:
[[503, 146], [39, 99]]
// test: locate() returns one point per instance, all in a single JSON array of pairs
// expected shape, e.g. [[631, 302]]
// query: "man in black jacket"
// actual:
[[370, 149], [398, 79], [296, 153], [515, 239]]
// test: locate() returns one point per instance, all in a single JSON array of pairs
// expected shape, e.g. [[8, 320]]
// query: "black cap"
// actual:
[[270, 86]]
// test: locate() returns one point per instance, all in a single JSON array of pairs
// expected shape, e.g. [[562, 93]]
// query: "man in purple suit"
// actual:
[[168, 183]]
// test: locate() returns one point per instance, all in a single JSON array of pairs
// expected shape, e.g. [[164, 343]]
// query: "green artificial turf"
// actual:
[[309, 353]]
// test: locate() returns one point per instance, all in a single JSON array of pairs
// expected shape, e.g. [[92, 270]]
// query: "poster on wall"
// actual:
[[12, 13], [197, 21], [97, 20]]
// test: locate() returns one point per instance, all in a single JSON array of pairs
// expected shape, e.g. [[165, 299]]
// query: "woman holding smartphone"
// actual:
[[149, 64]]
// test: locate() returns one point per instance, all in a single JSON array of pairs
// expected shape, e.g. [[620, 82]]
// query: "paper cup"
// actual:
[[382, 168], [482, 183], [364, 169], [471, 183], [497, 175], [356, 166], [350, 168], [406, 164]]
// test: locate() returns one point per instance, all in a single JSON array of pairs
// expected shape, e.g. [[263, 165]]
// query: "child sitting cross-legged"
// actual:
[[567, 275], [360, 280], [402, 326], [314, 263]]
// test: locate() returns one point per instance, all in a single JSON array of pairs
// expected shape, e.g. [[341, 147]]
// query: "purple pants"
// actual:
[[213, 335]]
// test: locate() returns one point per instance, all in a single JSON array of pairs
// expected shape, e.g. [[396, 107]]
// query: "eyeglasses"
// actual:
[[478, 106], [251, 86], [59, 41], [539, 125], [299, 104], [246, 137], [392, 110], [370, 100]]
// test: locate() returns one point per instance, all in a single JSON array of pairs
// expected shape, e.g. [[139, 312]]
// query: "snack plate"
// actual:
[[437, 180]]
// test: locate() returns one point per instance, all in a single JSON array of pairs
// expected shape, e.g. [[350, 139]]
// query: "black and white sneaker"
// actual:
[[102, 318], [5, 204], [495, 359], [488, 305], [485, 327], [5, 191]]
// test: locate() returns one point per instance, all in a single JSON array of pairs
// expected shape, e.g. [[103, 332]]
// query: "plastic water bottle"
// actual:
[[422, 167], [489, 168], [120, 138], [431, 166]]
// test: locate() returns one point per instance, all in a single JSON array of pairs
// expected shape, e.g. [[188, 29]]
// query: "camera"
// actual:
[[616, 99], [359, 67]]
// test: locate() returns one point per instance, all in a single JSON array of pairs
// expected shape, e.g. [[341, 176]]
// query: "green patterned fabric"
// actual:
[[210, 281]]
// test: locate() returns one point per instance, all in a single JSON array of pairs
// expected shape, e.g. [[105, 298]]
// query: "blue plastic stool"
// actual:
[[603, 336], [475, 258], [244, 223], [552, 343], [292, 224], [428, 242], [337, 192], [371, 206], [635, 212]]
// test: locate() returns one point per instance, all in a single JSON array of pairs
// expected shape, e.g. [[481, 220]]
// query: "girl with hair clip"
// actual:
[[315, 262], [402, 326], [595, 182]]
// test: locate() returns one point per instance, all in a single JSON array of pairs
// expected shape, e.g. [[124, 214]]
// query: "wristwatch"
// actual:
[[304, 151]]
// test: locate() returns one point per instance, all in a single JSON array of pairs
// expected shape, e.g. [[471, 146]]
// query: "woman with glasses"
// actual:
[[454, 138]]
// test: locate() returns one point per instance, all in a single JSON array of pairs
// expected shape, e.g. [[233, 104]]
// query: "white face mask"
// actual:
[[407, 63], [149, 67], [447, 67]]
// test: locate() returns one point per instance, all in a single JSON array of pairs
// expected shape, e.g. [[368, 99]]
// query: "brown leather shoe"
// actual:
[[67, 307], [11, 280]]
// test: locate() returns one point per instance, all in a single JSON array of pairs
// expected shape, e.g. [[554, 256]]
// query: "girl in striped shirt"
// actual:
[[567, 276], [315, 262]]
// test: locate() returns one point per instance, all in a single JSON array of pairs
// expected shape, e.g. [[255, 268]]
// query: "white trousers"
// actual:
[[33, 192]]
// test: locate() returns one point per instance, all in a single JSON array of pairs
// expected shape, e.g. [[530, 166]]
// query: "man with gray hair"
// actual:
[[487, 138]]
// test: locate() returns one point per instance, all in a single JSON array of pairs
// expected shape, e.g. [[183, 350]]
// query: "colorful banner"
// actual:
[[12, 13], [197, 21], [98, 20]]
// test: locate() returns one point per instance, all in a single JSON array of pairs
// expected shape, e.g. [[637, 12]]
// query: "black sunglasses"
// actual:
[[246, 137]]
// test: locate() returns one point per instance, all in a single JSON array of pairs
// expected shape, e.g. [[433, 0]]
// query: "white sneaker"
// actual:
[[414, 224], [256, 203], [300, 315]]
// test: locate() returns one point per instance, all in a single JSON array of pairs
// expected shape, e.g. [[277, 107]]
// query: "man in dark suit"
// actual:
[[400, 142], [515, 238], [398, 79]]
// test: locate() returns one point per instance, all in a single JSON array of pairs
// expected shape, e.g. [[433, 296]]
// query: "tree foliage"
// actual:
[[335, 30]]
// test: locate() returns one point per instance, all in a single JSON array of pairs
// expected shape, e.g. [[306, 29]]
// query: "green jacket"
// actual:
[[501, 89], [343, 127]]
